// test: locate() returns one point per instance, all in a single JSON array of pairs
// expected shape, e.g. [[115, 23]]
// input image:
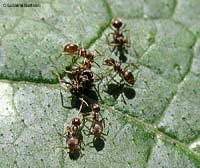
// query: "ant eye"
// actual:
[[117, 23]]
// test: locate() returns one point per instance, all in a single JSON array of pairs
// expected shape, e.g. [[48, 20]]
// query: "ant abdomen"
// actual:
[[97, 129], [128, 76], [71, 48]]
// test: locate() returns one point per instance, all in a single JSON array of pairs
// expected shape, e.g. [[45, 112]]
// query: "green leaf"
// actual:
[[155, 123]]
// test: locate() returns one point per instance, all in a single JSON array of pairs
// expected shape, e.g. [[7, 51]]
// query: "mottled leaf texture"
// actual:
[[153, 124]]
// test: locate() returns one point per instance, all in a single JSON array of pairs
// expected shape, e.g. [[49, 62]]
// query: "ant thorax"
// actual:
[[97, 129]]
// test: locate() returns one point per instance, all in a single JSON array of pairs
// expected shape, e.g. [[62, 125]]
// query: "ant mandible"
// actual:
[[123, 72]]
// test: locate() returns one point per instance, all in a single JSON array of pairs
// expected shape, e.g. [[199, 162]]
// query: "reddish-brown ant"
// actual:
[[118, 38], [80, 52], [86, 65], [97, 125], [123, 72], [74, 137]]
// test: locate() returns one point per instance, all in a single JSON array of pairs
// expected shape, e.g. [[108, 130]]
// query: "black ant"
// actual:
[[74, 137], [82, 81], [81, 85], [119, 41], [123, 72], [83, 72], [80, 52]]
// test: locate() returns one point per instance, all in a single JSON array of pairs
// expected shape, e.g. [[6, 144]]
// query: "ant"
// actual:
[[80, 52], [86, 65], [97, 125], [81, 85], [82, 81], [74, 137], [82, 72], [119, 40], [123, 72]]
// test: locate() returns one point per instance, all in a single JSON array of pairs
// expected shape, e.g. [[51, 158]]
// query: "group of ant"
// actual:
[[82, 83]]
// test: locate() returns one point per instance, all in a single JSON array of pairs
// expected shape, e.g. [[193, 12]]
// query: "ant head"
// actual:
[[95, 107], [117, 23], [109, 62], [76, 121], [88, 74], [71, 48]]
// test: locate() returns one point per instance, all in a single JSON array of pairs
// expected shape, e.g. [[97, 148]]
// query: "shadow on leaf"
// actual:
[[120, 89]]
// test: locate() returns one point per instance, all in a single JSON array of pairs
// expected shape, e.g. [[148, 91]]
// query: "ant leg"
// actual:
[[131, 64], [97, 91], [106, 134], [103, 122], [54, 72], [110, 34], [111, 27], [62, 102], [107, 38], [66, 53], [123, 27], [97, 64], [60, 55], [60, 134], [96, 51], [114, 44], [108, 42], [92, 126], [136, 53], [68, 72], [123, 98], [86, 113], [81, 142], [81, 106], [112, 78], [114, 48], [87, 133], [62, 147], [74, 59]]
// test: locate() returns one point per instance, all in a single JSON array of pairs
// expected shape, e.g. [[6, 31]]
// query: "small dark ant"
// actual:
[[86, 65], [119, 41], [123, 72], [83, 73], [74, 137], [80, 52], [97, 125], [118, 37], [81, 86], [82, 82]]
